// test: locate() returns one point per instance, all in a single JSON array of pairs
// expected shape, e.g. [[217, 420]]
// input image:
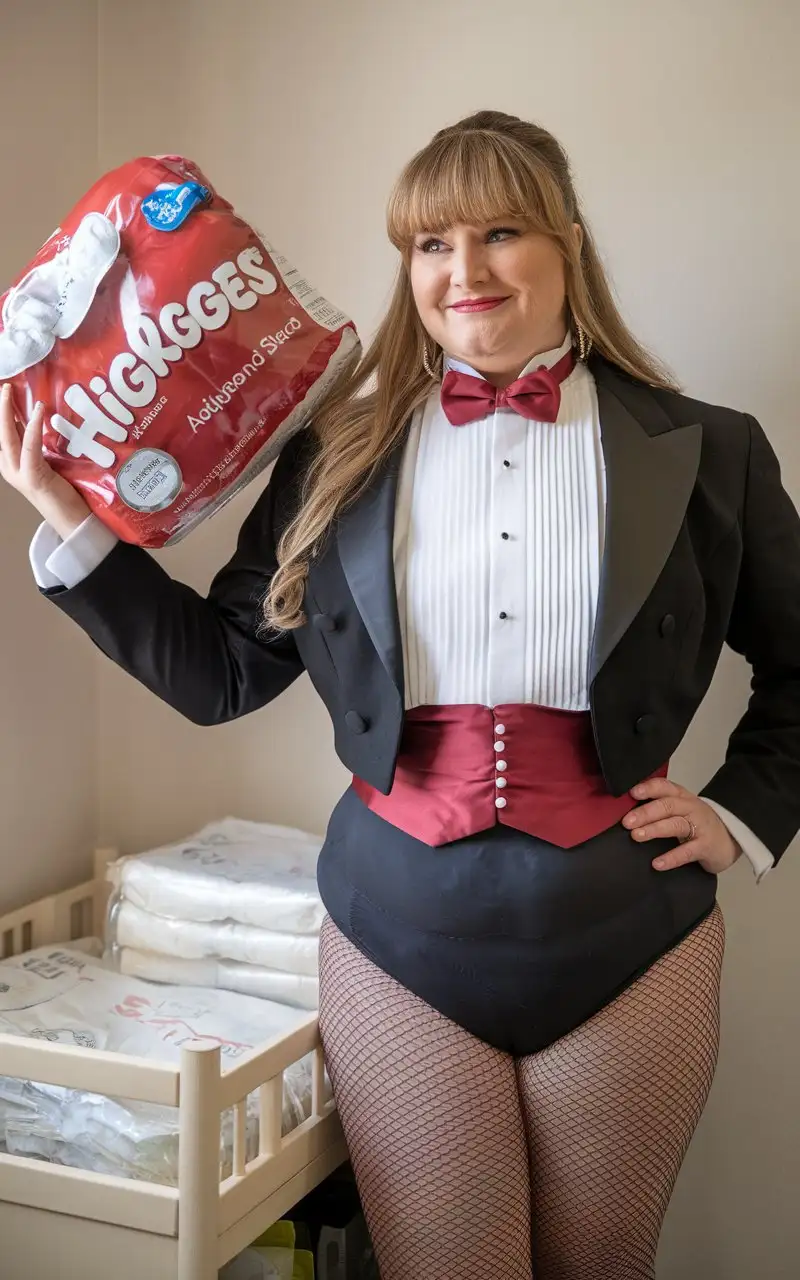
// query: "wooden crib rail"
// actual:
[[205, 1220], [254, 1180], [218, 1218], [61, 917], [114, 1075]]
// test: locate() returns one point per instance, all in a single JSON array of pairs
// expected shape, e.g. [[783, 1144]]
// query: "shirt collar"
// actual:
[[546, 358]]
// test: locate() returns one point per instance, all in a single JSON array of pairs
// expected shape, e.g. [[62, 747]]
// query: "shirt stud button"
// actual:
[[506, 462], [501, 764], [500, 782], [499, 728], [504, 536], [499, 746], [502, 614], [500, 802]]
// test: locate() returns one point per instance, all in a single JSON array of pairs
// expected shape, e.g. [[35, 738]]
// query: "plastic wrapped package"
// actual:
[[295, 989], [234, 906], [69, 997], [255, 873], [127, 1140], [175, 351], [291, 953]]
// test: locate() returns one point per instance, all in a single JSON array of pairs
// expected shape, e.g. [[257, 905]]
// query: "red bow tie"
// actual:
[[536, 395]]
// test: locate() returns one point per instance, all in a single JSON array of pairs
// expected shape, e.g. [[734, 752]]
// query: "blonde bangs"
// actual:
[[471, 178]]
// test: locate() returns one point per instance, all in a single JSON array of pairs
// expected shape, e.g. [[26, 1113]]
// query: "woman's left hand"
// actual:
[[672, 811]]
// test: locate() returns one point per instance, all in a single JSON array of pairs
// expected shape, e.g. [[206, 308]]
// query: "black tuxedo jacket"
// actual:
[[702, 547]]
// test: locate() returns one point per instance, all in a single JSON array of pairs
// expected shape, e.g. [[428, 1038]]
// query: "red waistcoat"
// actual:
[[462, 768]]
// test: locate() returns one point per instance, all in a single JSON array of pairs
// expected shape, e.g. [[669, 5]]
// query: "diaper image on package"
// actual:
[[174, 349]]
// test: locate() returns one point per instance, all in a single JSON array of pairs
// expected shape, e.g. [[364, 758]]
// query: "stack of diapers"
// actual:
[[174, 349], [67, 996], [235, 906]]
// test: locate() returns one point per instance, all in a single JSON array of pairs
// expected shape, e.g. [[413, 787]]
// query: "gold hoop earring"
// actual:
[[426, 362]]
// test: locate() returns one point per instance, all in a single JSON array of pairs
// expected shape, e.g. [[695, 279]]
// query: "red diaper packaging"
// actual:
[[174, 350]]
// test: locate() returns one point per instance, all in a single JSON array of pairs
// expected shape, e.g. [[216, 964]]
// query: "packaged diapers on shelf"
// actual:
[[289, 953], [68, 997], [174, 349], [234, 907], [255, 873], [299, 990]]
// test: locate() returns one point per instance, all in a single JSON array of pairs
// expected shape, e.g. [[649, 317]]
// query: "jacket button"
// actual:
[[323, 622], [355, 722], [667, 625], [645, 724]]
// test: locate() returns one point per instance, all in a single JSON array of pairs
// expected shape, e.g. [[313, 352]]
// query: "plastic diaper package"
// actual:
[[68, 997], [289, 953], [297, 989], [234, 906], [256, 873], [174, 349]]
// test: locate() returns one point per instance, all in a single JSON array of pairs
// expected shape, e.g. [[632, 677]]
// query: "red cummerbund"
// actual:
[[463, 768]]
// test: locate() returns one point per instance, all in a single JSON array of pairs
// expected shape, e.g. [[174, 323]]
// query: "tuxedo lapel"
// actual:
[[364, 537], [651, 468]]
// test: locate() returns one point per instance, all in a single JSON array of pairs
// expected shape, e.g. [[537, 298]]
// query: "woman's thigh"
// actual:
[[610, 1110], [433, 1124]]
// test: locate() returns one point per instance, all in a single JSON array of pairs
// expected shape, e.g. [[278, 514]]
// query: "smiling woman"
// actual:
[[509, 568], [491, 195], [491, 295]]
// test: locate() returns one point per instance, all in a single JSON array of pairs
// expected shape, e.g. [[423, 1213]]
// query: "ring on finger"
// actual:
[[692, 831]]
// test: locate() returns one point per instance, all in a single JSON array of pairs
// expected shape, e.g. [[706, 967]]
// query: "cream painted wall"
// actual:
[[48, 156], [682, 122]]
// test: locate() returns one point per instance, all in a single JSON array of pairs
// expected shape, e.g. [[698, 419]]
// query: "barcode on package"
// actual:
[[320, 310]]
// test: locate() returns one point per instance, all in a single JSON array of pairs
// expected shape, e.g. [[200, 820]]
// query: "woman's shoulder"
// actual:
[[676, 408], [727, 433], [683, 408], [293, 460]]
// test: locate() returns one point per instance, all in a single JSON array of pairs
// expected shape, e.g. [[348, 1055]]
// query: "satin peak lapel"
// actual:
[[651, 469], [364, 537]]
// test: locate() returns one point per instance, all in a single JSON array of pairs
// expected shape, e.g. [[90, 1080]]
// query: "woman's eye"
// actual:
[[434, 245]]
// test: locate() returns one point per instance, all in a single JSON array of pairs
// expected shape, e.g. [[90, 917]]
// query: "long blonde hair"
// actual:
[[487, 166]]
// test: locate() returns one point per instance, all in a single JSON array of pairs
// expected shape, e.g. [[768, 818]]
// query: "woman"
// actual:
[[508, 554]]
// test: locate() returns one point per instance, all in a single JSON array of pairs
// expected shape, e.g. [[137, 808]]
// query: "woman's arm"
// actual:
[[208, 657], [760, 780]]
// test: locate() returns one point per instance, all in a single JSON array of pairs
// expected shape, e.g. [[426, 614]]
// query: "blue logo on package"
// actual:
[[168, 207]]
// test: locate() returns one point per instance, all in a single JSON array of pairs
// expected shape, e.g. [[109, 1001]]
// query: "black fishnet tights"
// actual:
[[610, 1110], [457, 1148]]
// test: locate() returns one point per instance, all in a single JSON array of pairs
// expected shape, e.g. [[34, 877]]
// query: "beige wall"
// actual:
[[48, 156], [682, 122]]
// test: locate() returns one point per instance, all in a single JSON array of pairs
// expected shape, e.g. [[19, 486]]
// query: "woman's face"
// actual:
[[491, 295]]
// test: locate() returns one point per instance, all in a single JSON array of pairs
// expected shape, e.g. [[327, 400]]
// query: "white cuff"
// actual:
[[65, 564], [756, 852]]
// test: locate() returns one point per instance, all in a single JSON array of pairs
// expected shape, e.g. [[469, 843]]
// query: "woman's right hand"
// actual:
[[24, 466]]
